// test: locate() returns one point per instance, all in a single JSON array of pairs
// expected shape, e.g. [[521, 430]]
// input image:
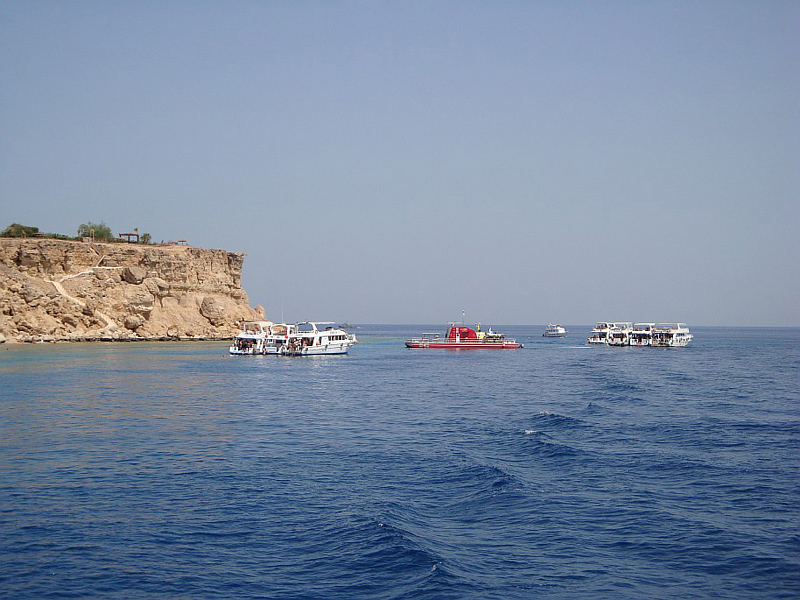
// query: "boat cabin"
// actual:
[[459, 332]]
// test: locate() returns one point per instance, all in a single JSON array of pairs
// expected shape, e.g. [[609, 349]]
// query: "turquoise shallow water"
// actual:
[[555, 471]]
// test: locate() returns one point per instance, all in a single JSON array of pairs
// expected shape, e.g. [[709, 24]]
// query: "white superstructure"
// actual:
[[668, 335]]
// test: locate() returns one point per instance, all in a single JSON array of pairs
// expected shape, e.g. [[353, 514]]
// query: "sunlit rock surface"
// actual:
[[63, 290]]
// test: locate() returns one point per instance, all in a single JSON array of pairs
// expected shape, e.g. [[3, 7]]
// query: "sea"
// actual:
[[559, 470]]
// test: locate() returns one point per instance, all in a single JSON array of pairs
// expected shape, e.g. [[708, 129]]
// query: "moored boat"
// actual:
[[619, 334], [314, 338], [458, 336], [662, 335], [599, 334], [642, 334], [301, 339], [252, 339], [671, 335], [553, 330]]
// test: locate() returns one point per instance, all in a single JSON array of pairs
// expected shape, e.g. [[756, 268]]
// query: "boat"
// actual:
[[671, 335], [619, 334], [660, 335], [458, 336], [301, 339], [642, 334], [554, 331], [314, 338], [599, 334], [252, 339]]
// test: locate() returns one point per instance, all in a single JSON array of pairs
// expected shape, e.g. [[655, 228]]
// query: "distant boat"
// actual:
[[316, 337], [458, 336], [253, 338], [599, 334], [642, 334], [671, 335], [659, 335], [619, 334], [301, 339], [554, 331]]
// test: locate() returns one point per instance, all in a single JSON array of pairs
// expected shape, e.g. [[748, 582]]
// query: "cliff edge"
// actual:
[[64, 290]]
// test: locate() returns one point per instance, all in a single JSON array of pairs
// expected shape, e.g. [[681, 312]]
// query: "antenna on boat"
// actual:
[[463, 317]]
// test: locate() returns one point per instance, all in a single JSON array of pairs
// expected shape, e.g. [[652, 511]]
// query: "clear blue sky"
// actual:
[[398, 162]]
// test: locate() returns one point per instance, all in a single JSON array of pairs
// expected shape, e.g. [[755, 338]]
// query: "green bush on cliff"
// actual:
[[17, 230], [101, 231]]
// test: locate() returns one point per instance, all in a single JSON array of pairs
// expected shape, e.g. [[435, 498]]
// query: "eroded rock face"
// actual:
[[213, 310], [134, 275], [53, 289], [139, 301]]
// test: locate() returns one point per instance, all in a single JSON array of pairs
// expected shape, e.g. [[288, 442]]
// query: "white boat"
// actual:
[[599, 334], [619, 334], [671, 335], [554, 331], [312, 338], [642, 334], [301, 339], [252, 339]]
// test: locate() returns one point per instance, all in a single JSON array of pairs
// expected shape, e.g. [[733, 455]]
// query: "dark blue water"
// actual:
[[555, 471]]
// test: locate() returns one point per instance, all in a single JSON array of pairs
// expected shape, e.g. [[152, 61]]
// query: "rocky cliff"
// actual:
[[61, 290]]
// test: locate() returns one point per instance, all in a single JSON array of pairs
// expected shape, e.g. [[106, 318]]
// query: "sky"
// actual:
[[402, 162]]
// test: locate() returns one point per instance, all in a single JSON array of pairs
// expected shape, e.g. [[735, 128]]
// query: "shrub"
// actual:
[[17, 230], [99, 231]]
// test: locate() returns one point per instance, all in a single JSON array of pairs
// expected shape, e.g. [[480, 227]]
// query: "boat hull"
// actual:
[[237, 352], [320, 350], [677, 343]]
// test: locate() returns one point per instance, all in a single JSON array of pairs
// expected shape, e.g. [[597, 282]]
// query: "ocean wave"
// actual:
[[474, 479], [557, 421], [552, 450], [366, 545]]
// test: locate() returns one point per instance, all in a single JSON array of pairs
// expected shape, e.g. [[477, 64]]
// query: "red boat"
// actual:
[[459, 336]]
